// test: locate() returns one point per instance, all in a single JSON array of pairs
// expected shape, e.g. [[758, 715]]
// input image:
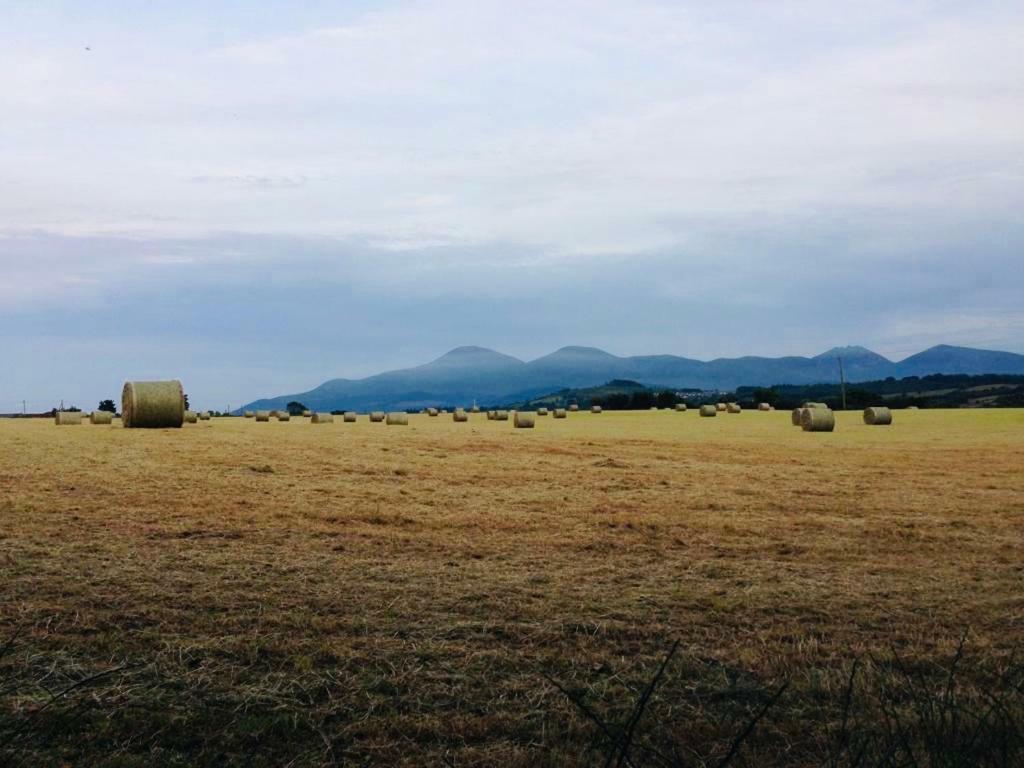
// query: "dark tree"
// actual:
[[186, 402], [107, 405], [295, 408]]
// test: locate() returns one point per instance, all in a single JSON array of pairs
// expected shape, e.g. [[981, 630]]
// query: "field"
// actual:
[[464, 594]]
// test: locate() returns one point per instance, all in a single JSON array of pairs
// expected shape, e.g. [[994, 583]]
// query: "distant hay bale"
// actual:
[[152, 404], [350, 416], [204, 416], [763, 407], [559, 413], [542, 411], [432, 411], [490, 415], [262, 415], [595, 409], [681, 407], [574, 407], [797, 416], [475, 409], [400, 418], [67, 418], [733, 408], [191, 417], [101, 417], [307, 414], [524, 420], [377, 416], [501, 415], [322, 418], [912, 408], [719, 406], [248, 414], [815, 405], [709, 410], [284, 416], [818, 420], [444, 410], [877, 416], [459, 415]]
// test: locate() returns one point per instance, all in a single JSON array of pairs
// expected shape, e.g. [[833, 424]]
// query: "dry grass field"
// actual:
[[291, 594]]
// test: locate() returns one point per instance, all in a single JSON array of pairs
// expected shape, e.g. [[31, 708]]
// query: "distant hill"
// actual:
[[468, 374]]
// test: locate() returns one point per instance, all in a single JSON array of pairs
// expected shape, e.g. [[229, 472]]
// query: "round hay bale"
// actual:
[[574, 407], [322, 418], [284, 416], [475, 409], [204, 416], [877, 415], [350, 416], [733, 408], [460, 415], [152, 404], [912, 408], [763, 407], [595, 409], [307, 414], [797, 416], [67, 418], [818, 420], [377, 416], [262, 415], [191, 417], [720, 407], [400, 418], [431, 411], [490, 415], [542, 411], [815, 405], [101, 417], [681, 407], [559, 413], [248, 414], [709, 410], [524, 420], [501, 415]]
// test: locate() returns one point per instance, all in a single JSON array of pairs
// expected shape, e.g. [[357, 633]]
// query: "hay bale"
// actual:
[[595, 409], [284, 416], [460, 415], [152, 404], [733, 408], [377, 416], [818, 420], [248, 414], [101, 417], [814, 405], [322, 418], [262, 415], [720, 407], [877, 415], [524, 420], [399, 418], [559, 413], [542, 411], [574, 407], [349, 417], [681, 407], [490, 415], [763, 407], [912, 408], [709, 410], [67, 418], [307, 414], [204, 416], [501, 415], [191, 417], [797, 415], [431, 411]]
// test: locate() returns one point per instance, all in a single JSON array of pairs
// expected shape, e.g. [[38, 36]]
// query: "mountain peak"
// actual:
[[850, 351], [475, 356], [576, 350]]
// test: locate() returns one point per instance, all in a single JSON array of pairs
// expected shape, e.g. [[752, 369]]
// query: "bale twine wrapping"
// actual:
[[431, 411], [763, 407], [350, 416], [284, 416], [559, 413], [400, 418], [377, 416], [818, 420], [574, 407], [595, 409], [709, 410], [152, 404], [460, 415], [681, 407], [501, 415], [262, 415], [67, 418], [248, 414], [524, 420], [322, 418], [101, 417], [733, 408], [204, 416], [542, 411], [877, 415], [191, 417], [796, 416]]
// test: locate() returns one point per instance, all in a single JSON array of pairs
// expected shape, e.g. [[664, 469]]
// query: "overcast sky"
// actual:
[[259, 197]]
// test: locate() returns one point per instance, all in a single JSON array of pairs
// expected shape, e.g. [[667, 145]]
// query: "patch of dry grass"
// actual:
[[273, 593]]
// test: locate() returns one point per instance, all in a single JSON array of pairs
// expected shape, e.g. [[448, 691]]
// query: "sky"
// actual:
[[257, 197]]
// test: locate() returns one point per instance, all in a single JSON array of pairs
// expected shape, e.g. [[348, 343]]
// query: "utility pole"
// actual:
[[842, 381], [23, 408]]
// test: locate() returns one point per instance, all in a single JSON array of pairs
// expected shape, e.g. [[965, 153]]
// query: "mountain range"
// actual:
[[476, 374]]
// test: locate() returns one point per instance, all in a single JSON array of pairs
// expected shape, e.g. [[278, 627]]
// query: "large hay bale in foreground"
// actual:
[[399, 418], [818, 420], [681, 407], [284, 416], [595, 409], [574, 407], [763, 407], [501, 415], [152, 404], [559, 413], [191, 417], [524, 420], [459, 415], [101, 417], [709, 410], [797, 415], [322, 418], [377, 416], [877, 415], [733, 408], [67, 418], [248, 414], [350, 417], [542, 411], [262, 415]]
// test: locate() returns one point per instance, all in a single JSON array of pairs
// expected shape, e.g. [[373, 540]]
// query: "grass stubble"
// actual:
[[274, 594]]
